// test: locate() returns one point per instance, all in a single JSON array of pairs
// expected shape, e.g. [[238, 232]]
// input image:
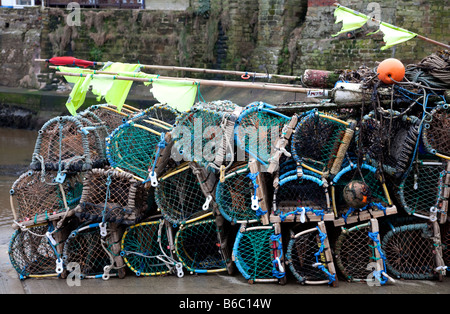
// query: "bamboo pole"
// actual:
[[232, 84], [418, 36], [242, 74]]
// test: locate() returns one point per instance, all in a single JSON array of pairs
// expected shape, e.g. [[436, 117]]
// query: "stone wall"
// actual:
[[277, 36]]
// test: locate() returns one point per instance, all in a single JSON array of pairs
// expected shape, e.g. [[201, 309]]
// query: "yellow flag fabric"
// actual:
[[70, 79], [350, 19], [116, 92], [394, 35], [177, 94], [78, 94]]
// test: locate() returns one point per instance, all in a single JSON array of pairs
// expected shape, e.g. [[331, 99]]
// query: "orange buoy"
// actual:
[[391, 68]]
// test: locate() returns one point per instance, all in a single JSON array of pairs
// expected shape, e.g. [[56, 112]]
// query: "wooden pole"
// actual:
[[232, 84], [242, 74], [418, 36]]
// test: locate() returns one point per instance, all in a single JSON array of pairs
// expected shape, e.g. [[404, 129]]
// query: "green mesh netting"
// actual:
[[133, 147], [256, 131], [198, 248], [233, 196], [146, 248], [179, 195], [198, 135], [421, 191], [255, 250], [316, 140]]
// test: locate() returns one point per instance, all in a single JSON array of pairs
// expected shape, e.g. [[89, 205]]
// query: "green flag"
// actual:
[[78, 94], [394, 35], [177, 94], [350, 19], [114, 91]]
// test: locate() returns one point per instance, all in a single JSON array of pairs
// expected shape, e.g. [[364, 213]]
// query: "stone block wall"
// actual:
[[277, 36]]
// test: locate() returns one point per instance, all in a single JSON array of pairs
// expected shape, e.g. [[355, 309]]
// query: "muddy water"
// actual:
[[16, 149]]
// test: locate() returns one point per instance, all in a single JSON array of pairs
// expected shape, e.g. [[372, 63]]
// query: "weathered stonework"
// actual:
[[277, 36]]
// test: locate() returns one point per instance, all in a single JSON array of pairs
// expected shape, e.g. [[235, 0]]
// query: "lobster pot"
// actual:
[[422, 192], [256, 131], [282, 155], [197, 246], [320, 141], [36, 251], [308, 256], [67, 143], [234, 195], [445, 234], [95, 124], [204, 134], [258, 253], [390, 137], [147, 247], [359, 195], [112, 196], [36, 197], [359, 256], [141, 148], [93, 251], [179, 195], [304, 198], [414, 251], [111, 117], [436, 132]]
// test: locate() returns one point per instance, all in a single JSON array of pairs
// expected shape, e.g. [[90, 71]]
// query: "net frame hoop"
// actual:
[[196, 222], [122, 242]]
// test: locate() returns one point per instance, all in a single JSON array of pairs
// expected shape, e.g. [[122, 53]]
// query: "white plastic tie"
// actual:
[[206, 204], [255, 202]]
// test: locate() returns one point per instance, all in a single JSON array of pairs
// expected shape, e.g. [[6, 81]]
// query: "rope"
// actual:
[[322, 237]]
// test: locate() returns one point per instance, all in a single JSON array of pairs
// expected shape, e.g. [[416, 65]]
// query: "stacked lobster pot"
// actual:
[[352, 188]]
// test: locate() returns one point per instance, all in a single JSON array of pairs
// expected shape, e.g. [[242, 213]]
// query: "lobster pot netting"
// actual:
[[65, 143], [356, 188], [32, 254], [410, 252], [390, 138], [436, 131], [421, 192], [198, 247], [163, 114], [92, 254], [179, 195], [112, 196], [110, 116], [201, 135], [304, 197], [445, 234], [355, 253], [316, 142], [306, 257], [146, 248], [36, 196], [256, 131], [258, 253], [234, 195], [135, 147]]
